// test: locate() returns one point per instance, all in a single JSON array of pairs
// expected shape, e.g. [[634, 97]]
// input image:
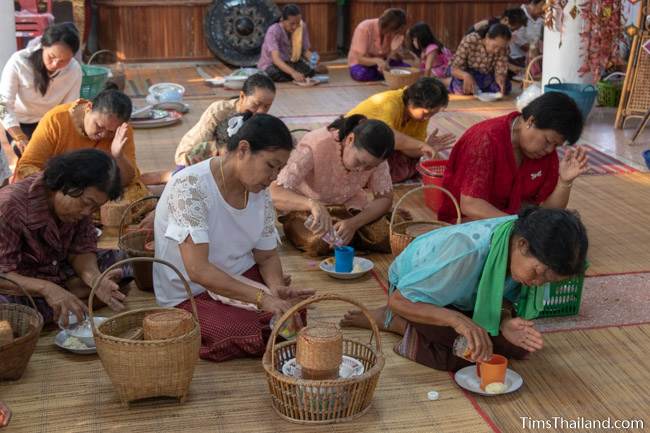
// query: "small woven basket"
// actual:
[[319, 351], [26, 323], [306, 401], [141, 369], [134, 242], [401, 234], [396, 78], [111, 213], [167, 324]]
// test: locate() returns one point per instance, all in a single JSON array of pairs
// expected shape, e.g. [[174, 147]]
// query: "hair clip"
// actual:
[[234, 125]]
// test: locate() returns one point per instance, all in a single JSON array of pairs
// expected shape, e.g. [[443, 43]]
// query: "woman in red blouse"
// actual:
[[503, 163], [48, 243]]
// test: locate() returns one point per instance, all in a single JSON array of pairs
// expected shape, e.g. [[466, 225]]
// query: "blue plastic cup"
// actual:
[[344, 259]]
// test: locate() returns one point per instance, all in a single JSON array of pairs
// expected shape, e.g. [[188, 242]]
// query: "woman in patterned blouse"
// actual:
[[48, 243], [328, 174], [481, 63]]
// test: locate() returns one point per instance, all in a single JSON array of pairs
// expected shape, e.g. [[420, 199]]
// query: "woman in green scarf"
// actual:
[[483, 280]]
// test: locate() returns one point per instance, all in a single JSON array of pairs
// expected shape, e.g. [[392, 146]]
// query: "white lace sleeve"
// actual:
[[269, 238], [188, 210]]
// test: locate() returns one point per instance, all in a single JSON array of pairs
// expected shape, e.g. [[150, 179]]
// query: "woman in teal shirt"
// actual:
[[466, 279]]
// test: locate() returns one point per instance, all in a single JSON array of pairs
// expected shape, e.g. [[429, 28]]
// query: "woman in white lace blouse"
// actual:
[[216, 222], [328, 177]]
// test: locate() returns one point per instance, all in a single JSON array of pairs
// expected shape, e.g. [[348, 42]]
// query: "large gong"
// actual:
[[235, 29]]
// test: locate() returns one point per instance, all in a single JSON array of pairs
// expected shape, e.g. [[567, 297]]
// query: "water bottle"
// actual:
[[461, 348], [313, 61], [330, 237]]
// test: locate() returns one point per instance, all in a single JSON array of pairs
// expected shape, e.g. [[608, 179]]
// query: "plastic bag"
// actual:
[[532, 92]]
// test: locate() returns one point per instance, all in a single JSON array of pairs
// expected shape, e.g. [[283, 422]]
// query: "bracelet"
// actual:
[[566, 184], [258, 298]]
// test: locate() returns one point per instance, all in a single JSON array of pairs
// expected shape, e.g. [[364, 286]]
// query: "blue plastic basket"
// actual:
[[584, 94]]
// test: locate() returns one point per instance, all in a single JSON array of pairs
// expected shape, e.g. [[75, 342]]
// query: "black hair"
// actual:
[[373, 136], [262, 131], [112, 101], [556, 237], [535, 2], [65, 33], [391, 20], [72, 172], [498, 30], [556, 111], [290, 10], [258, 81], [422, 33], [426, 92], [516, 17]]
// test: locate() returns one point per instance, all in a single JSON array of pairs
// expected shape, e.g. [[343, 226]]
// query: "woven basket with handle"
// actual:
[[133, 242], [306, 401], [27, 324], [400, 237], [397, 80], [142, 369]]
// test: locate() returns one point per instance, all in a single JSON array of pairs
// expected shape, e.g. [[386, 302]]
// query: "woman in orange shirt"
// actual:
[[99, 124]]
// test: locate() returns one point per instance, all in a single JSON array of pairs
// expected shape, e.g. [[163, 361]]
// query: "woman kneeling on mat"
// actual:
[[483, 280], [48, 243], [407, 111], [481, 62], [327, 176], [502, 163], [215, 221]]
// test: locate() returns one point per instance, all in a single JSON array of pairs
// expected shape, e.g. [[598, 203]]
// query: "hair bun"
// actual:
[[110, 85]]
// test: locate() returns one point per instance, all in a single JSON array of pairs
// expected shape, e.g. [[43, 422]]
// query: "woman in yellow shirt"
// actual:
[[100, 124], [407, 111]]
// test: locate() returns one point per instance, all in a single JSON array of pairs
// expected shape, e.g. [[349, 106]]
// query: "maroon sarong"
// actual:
[[229, 332]]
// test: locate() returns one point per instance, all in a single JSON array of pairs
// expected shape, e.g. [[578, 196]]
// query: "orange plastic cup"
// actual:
[[492, 370]]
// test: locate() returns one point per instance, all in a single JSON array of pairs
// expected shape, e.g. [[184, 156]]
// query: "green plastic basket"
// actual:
[[565, 298], [94, 78], [609, 90]]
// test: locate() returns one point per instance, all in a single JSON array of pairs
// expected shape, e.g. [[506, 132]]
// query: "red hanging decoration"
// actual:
[[601, 35]]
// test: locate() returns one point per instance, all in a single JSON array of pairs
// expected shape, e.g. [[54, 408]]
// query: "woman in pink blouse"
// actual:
[[327, 176], [373, 42]]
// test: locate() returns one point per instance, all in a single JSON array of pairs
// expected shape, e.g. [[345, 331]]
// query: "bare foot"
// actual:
[[357, 319]]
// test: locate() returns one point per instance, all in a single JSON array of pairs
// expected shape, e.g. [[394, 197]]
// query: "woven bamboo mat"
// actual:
[[589, 374], [61, 392], [615, 210]]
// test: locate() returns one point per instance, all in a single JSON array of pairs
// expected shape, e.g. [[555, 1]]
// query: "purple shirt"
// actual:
[[32, 243], [277, 39]]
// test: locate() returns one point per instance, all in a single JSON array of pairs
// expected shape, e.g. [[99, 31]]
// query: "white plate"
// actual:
[[489, 97], [466, 378], [99, 232], [400, 71], [60, 339], [359, 268], [322, 78], [142, 113], [158, 89], [350, 367], [216, 81]]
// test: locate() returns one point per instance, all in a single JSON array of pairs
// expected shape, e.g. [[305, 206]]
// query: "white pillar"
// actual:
[[563, 62], [8, 34]]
